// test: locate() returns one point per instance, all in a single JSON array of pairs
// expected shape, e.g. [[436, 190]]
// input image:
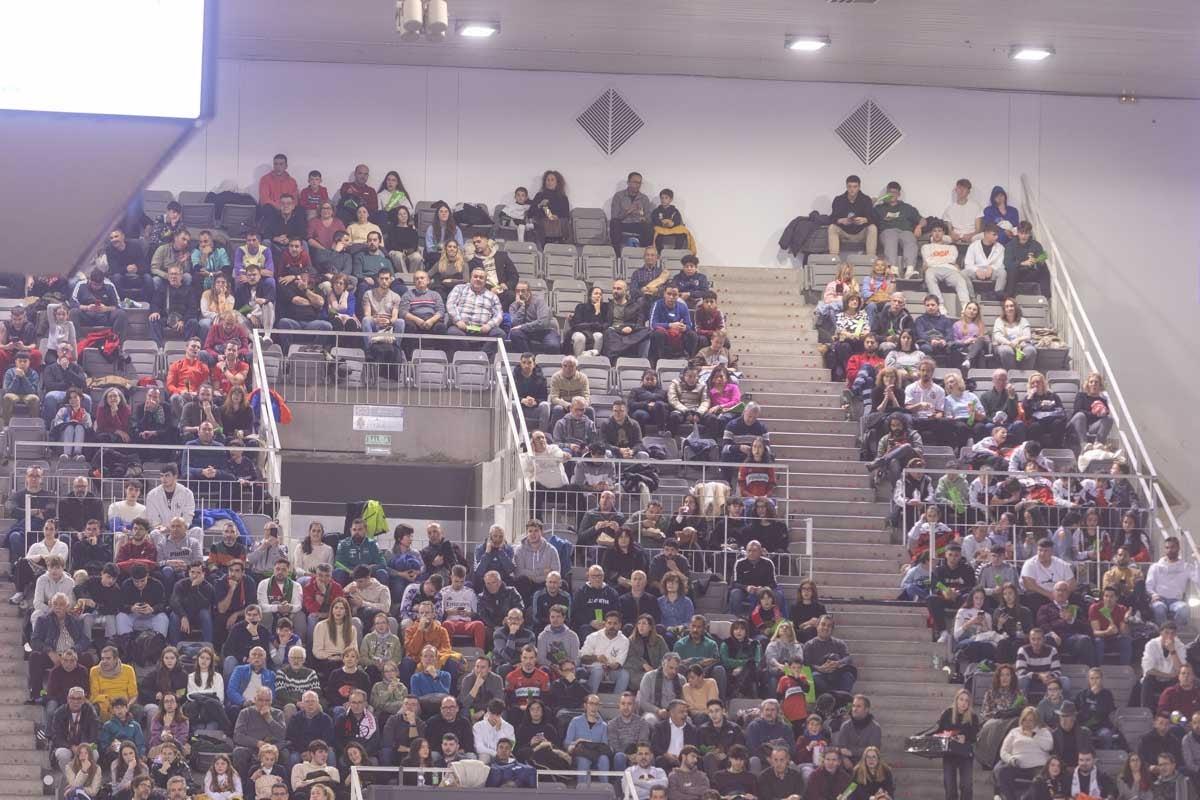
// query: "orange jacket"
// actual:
[[415, 640], [187, 376]]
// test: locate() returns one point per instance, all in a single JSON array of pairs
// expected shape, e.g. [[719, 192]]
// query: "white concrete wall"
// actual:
[[744, 157]]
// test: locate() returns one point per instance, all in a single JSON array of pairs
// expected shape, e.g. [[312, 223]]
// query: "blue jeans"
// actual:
[[1123, 645], [840, 680], [53, 401], [202, 619], [128, 623], [1179, 608], [583, 765], [596, 675], [548, 341], [620, 761], [369, 327], [159, 333]]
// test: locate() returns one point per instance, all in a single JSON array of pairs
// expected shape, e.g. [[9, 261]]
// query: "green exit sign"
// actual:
[[378, 444]]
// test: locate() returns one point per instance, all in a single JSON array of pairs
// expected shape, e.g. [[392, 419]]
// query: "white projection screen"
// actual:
[[136, 58]]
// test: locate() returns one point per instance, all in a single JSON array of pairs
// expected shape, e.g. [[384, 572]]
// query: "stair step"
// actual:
[[793, 371], [856, 592], [23, 772], [21, 759], [850, 615], [20, 713], [833, 522], [779, 426], [870, 649], [880, 633], [846, 493], [749, 362], [895, 690], [15, 742], [756, 274], [810, 465], [792, 386], [838, 508], [788, 452], [844, 480], [872, 539], [20, 790], [815, 439], [829, 571]]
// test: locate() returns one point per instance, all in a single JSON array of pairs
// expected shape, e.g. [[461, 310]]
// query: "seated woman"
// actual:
[[442, 231], [1012, 337], [71, 426], [449, 270], [741, 655], [764, 526], [1045, 419], [340, 305], [755, 478], [236, 416], [333, 635], [362, 227], [971, 341], [766, 616], [1091, 418], [622, 559], [169, 726], [782, 648], [905, 358], [973, 632], [873, 777], [1002, 703], [688, 515], [112, 418], [83, 775], [401, 242], [588, 322], [215, 301], [887, 398], [669, 230], [807, 610], [550, 210], [835, 290], [850, 328], [675, 607], [963, 411], [1132, 538], [724, 403]]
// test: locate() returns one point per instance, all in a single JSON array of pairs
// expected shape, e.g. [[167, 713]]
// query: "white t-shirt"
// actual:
[[1046, 577], [598, 644], [916, 393], [125, 512], [961, 218], [39, 550]]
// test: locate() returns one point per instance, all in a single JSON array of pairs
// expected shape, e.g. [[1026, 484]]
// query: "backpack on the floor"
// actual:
[[145, 648]]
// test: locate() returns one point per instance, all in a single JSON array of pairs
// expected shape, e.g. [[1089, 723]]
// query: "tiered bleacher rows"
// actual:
[[394, 695]]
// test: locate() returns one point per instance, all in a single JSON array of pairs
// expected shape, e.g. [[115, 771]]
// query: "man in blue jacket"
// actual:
[[494, 554], [671, 327], [246, 680], [934, 329]]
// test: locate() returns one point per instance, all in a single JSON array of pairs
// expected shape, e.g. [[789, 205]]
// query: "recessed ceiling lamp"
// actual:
[[477, 30], [1030, 53], [806, 44]]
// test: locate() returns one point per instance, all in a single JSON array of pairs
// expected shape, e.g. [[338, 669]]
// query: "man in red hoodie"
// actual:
[[276, 183]]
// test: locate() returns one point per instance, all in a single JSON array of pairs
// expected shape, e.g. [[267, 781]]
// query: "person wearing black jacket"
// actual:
[[501, 272], [440, 555], [890, 320], [591, 602], [154, 421], [638, 601], [57, 377], [450, 721], [78, 507], [621, 560], [532, 392], [949, 584], [1023, 259], [588, 322], [961, 722], [751, 574], [1095, 706], [128, 266], [716, 736], [853, 219], [73, 724], [143, 603], [648, 402], [288, 222], [245, 635], [550, 204], [622, 434], [191, 605], [627, 334], [496, 599], [174, 310], [89, 552], [101, 597], [660, 734]]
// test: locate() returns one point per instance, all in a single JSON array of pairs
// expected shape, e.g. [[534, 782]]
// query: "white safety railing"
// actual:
[[397, 773], [1075, 329], [268, 427]]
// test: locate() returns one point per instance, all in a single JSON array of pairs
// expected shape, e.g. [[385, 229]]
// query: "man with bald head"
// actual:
[[258, 724], [356, 193]]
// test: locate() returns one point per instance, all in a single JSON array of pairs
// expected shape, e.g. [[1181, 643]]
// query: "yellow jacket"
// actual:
[[105, 689]]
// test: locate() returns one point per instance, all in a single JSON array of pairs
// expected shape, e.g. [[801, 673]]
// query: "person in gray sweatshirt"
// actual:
[[557, 643], [659, 687], [626, 730], [858, 733], [176, 548], [479, 688], [574, 431], [531, 323]]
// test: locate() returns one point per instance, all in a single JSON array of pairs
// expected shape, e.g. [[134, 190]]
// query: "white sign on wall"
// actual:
[[378, 418]]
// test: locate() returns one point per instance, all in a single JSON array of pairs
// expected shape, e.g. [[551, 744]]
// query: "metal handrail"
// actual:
[[356, 782], [1086, 344], [270, 430]]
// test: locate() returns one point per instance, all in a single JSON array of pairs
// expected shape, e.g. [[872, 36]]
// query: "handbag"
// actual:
[[592, 751], [937, 745], [554, 228]]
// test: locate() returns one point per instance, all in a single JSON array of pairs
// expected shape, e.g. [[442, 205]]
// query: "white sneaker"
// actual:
[[911, 274], [945, 637], [16, 598]]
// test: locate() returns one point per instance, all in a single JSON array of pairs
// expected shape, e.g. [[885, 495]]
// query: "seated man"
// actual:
[[282, 225], [174, 311], [899, 228], [19, 333], [498, 265], [858, 733], [356, 550], [292, 260], [629, 216], [22, 386], [128, 266], [58, 378], [592, 602], [985, 260], [1025, 259], [301, 308], [575, 431], [201, 463], [257, 724], [964, 216], [926, 401], [421, 308], [627, 335], [143, 603], [853, 217], [427, 632], [688, 399], [671, 329], [191, 605], [750, 575], [940, 257], [890, 321], [488, 731], [1037, 665], [369, 262], [187, 375], [934, 329], [74, 723], [381, 306], [253, 253], [699, 650], [564, 386], [473, 310], [254, 299], [832, 665], [532, 324], [276, 183], [740, 435], [690, 281], [602, 655], [504, 770], [177, 251], [459, 603], [622, 434]]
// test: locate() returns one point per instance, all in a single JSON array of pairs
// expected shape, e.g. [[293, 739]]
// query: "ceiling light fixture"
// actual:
[[1030, 53], [806, 44], [477, 30]]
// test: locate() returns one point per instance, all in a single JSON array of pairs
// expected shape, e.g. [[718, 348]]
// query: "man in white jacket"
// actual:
[[940, 257], [985, 259], [490, 730], [603, 655], [169, 499], [1167, 584]]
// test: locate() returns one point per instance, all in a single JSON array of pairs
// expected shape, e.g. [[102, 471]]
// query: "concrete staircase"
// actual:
[[856, 562], [21, 763]]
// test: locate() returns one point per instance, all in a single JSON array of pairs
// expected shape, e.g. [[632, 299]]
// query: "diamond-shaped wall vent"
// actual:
[[868, 132], [610, 122]]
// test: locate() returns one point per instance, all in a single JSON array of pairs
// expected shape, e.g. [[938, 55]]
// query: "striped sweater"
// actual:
[[1045, 662]]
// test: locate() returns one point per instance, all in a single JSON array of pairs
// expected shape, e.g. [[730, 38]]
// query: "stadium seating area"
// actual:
[[176, 580]]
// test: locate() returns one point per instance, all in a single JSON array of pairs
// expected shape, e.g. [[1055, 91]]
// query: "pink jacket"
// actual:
[[729, 396]]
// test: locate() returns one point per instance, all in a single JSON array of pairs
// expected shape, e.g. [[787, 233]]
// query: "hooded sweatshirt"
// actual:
[[991, 214]]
